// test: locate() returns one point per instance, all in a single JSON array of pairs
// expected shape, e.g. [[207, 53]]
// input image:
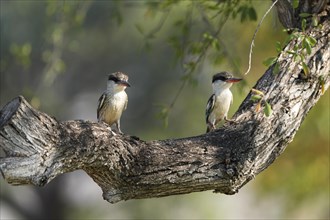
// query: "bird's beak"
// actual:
[[233, 80], [124, 83]]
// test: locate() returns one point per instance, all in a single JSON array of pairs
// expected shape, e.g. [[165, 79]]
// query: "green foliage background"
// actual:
[[57, 55]]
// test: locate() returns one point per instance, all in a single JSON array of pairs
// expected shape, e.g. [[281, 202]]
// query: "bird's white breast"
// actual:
[[221, 105], [116, 106]]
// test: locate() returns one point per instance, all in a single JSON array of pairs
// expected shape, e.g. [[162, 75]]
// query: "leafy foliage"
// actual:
[[303, 47], [196, 34]]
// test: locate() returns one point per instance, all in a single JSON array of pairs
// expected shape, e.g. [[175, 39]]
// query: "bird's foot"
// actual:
[[210, 128], [118, 132]]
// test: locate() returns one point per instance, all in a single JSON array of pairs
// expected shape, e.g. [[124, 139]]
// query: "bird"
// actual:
[[218, 104], [114, 100]]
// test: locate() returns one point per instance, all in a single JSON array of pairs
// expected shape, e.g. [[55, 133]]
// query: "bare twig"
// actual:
[[255, 34]]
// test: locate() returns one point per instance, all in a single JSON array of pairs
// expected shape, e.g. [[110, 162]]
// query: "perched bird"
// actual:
[[221, 99], [114, 100]]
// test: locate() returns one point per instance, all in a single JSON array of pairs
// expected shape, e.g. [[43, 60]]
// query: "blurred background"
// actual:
[[57, 54]]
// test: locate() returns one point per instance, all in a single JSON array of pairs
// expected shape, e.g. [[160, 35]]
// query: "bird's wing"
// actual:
[[100, 105], [209, 107]]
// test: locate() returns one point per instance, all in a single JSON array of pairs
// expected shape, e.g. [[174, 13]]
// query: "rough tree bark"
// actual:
[[38, 147]]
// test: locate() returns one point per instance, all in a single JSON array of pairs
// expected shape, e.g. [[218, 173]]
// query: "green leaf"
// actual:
[[270, 61], [295, 4], [301, 57], [291, 52], [268, 109], [305, 68], [293, 36], [252, 14], [286, 30], [303, 24], [257, 92], [244, 12], [278, 46], [276, 69], [312, 41], [207, 36], [297, 57], [322, 84], [315, 21], [307, 46], [255, 97], [304, 15], [215, 44]]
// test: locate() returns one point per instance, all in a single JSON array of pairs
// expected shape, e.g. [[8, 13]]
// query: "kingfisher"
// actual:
[[114, 100], [218, 104]]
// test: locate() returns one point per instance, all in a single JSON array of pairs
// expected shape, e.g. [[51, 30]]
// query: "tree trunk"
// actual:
[[38, 147]]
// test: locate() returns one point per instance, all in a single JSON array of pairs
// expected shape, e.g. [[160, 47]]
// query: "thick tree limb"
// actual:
[[38, 147], [285, 13], [291, 17]]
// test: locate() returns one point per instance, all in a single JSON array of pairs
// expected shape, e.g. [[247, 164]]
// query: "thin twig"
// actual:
[[255, 34], [178, 94], [199, 58]]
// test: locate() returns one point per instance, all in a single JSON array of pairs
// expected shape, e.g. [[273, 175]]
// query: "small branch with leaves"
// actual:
[[259, 97]]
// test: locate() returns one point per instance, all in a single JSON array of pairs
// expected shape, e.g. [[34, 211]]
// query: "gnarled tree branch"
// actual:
[[38, 147]]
